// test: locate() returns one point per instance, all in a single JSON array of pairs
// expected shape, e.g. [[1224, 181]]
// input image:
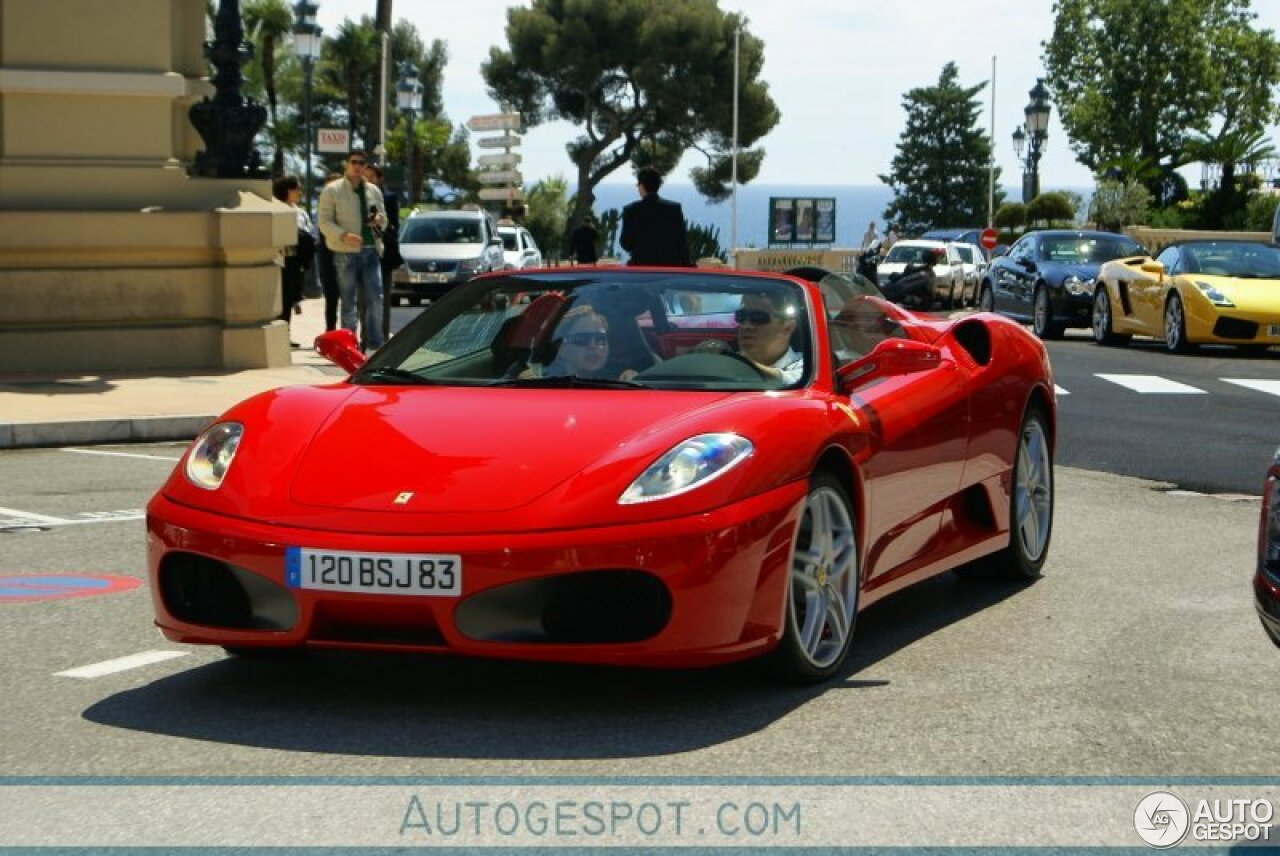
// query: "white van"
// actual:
[[442, 249]]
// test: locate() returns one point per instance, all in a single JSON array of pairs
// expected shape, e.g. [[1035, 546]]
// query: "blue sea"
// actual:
[[856, 205]]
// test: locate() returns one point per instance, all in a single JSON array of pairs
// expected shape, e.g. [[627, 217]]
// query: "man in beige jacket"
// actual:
[[351, 217]]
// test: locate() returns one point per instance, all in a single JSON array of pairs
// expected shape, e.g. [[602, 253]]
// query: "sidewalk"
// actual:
[[60, 410]]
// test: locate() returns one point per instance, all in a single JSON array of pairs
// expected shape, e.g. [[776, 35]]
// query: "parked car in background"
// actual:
[[1266, 580], [519, 250], [957, 235], [1047, 277], [1194, 292], [948, 272], [974, 262], [442, 249]]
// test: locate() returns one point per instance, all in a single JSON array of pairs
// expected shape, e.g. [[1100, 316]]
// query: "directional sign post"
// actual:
[[506, 141], [498, 168], [495, 122], [504, 159], [500, 176], [500, 194]]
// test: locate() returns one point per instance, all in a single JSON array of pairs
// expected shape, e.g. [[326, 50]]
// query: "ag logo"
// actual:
[[1161, 819]]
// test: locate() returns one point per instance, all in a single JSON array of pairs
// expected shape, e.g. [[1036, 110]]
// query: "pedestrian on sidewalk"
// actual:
[[297, 259], [327, 271], [653, 229], [352, 216], [390, 242], [585, 239], [870, 236]]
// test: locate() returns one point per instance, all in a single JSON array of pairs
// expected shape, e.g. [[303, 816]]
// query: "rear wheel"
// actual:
[[1030, 501], [822, 588], [1103, 328], [1175, 326]]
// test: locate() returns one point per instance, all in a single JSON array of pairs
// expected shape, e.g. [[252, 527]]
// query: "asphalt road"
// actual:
[[1206, 433]]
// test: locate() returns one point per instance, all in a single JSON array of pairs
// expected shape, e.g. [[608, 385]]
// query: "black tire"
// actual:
[[951, 295], [394, 300], [415, 301], [1104, 332], [1254, 350], [1042, 323], [822, 584], [1031, 501], [1175, 326], [986, 299]]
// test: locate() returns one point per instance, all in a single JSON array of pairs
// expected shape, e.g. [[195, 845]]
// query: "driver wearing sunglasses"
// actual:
[[765, 324]]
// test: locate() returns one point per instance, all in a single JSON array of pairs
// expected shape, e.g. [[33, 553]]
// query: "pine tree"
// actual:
[[939, 176]]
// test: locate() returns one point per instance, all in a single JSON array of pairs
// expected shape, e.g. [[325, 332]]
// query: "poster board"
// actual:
[[802, 220]]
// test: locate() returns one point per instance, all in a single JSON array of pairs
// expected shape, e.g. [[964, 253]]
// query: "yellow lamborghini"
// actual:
[[1194, 292]]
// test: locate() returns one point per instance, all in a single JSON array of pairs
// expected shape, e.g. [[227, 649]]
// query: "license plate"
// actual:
[[374, 573], [429, 277], [1273, 330]]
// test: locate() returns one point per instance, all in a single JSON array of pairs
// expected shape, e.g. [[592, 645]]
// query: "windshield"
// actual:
[[686, 331], [913, 255], [1085, 249], [440, 230], [1243, 259]]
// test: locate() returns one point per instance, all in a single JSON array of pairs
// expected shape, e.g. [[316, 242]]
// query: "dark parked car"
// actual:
[[1047, 277], [1266, 581]]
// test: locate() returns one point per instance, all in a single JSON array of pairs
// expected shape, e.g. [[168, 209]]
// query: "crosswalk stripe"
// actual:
[[120, 664], [1271, 387], [1151, 384]]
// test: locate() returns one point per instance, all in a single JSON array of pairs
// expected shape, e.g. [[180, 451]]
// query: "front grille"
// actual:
[[1235, 328], [200, 590], [432, 266], [592, 607]]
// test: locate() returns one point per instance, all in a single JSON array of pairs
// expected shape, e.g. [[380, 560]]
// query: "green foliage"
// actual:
[[939, 175], [645, 80], [1117, 203], [1260, 213], [546, 210], [1011, 215], [1052, 209], [704, 242], [1169, 217], [1132, 79]]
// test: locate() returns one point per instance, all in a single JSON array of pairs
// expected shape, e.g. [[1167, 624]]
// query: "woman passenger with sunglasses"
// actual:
[[583, 336]]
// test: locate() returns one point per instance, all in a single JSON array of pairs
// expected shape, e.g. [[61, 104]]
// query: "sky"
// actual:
[[837, 69]]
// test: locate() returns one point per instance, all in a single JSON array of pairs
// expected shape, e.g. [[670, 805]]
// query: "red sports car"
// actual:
[[611, 465]]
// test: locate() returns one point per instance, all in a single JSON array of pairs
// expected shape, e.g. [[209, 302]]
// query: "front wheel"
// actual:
[[1175, 326], [1042, 322], [986, 299], [822, 589], [1030, 501]]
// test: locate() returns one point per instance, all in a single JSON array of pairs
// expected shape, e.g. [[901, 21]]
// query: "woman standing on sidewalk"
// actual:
[[296, 259]]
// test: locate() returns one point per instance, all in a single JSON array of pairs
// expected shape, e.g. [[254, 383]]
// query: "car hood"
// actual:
[[1250, 295], [454, 449], [453, 252], [1059, 271]]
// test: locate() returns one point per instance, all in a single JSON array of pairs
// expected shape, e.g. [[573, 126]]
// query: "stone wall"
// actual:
[[111, 256]]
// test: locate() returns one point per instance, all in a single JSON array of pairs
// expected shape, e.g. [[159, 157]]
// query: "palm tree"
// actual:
[[348, 67], [268, 23], [1230, 149]]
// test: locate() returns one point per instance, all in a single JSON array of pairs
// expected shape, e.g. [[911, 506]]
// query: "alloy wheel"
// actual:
[[1033, 491], [824, 578]]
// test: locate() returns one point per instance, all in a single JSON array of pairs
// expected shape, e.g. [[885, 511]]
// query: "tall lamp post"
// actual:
[[1032, 134], [733, 201], [409, 101], [306, 41]]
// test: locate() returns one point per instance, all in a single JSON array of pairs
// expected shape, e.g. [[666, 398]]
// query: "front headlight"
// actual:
[[1216, 297], [212, 454], [467, 267], [1078, 285], [688, 465]]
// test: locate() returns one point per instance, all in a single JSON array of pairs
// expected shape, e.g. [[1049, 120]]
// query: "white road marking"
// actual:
[[1271, 387], [120, 664], [34, 518], [1060, 390], [120, 454], [1151, 384]]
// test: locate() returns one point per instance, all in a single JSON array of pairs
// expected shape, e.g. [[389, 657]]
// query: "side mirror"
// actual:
[[341, 348], [890, 358], [495, 242], [1027, 263]]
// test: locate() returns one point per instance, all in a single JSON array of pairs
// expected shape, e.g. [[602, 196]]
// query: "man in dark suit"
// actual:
[[653, 230]]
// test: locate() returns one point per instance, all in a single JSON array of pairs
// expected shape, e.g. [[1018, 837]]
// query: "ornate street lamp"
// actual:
[[229, 121], [306, 41], [1032, 134], [409, 101]]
